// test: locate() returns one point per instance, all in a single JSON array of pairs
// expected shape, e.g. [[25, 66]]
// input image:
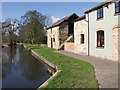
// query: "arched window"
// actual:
[[100, 38]]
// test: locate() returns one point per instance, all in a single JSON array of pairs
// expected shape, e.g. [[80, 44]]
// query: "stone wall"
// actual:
[[60, 33], [63, 32], [80, 27], [53, 33], [116, 42], [49, 36]]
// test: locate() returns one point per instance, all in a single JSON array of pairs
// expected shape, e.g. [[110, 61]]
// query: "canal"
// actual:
[[21, 70]]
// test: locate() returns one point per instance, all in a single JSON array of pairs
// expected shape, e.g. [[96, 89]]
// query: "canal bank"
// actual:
[[74, 73], [53, 69]]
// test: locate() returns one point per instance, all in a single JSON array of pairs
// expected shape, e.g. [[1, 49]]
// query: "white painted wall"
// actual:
[[106, 24]]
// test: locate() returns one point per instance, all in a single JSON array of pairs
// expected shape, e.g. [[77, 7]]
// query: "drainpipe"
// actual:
[[88, 37]]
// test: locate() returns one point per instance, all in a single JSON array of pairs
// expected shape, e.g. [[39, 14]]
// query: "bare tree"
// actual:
[[10, 27]]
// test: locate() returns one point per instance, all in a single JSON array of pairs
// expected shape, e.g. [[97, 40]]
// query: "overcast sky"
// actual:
[[56, 10]]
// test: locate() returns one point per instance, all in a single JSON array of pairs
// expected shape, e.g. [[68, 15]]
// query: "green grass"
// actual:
[[74, 72]]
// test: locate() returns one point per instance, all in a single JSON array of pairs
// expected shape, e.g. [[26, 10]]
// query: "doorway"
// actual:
[[71, 28], [51, 43]]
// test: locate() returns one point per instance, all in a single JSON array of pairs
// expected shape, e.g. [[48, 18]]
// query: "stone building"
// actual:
[[100, 31], [97, 33], [81, 36], [61, 32]]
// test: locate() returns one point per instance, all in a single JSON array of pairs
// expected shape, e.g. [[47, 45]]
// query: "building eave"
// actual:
[[98, 6]]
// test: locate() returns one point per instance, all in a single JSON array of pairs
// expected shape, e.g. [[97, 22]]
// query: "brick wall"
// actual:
[[68, 46]]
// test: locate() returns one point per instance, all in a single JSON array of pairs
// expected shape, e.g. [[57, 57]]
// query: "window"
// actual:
[[117, 7], [100, 13], [53, 39], [82, 38], [100, 38]]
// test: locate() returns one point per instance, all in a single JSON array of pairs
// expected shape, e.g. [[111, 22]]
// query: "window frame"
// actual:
[[117, 6], [100, 40], [82, 38], [100, 13]]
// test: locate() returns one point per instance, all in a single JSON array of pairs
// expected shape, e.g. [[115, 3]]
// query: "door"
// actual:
[[51, 43]]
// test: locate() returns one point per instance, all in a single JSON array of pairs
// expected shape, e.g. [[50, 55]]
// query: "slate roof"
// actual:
[[61, 21], [80, 18]]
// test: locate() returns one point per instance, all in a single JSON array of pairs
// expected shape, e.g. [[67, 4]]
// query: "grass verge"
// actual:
[[74, 72]]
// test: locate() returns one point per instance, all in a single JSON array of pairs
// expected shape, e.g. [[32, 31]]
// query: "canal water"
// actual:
[[21, 70]]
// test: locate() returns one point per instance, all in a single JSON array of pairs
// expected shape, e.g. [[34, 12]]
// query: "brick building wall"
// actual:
[[69, 46]]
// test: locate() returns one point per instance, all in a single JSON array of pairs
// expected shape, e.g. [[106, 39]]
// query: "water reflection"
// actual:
[[20, 69]]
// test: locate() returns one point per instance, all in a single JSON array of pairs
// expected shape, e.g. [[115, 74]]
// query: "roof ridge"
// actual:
[[60, 21]]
